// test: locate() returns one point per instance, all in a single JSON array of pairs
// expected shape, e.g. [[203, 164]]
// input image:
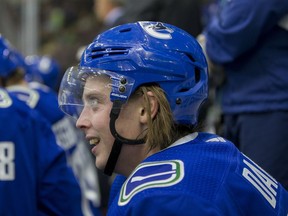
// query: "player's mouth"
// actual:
[[93, 143]]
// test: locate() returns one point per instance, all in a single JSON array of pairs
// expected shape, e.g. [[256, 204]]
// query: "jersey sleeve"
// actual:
[[238, 26]]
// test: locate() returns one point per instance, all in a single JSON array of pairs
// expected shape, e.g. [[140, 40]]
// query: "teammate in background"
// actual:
[[249, 41], [43, 99], [42, 73], [136, 94], [43, 69], [34, 176]]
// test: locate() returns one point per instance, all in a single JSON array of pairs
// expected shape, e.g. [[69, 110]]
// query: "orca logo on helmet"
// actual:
[[158, 30]]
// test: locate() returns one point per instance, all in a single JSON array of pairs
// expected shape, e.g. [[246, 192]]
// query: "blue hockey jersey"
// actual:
[[44, 100], [200, 174], [34, 176]]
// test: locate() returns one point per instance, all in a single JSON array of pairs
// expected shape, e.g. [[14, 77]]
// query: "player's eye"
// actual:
[[92, 101]]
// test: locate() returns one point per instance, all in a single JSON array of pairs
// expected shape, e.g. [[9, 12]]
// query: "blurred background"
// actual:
[[54, 27], [59, 28]]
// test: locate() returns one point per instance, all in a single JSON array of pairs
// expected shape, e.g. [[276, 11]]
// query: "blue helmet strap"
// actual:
[[119, 140]]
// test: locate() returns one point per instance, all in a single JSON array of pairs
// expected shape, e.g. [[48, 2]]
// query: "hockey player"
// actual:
[[136, 95], [43, 69], [34, 176], [44, 99]]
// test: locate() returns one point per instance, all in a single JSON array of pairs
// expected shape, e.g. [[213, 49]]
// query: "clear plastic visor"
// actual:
[[83, 86]]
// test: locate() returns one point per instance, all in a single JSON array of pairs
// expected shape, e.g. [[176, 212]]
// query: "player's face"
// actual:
[[95, 118]]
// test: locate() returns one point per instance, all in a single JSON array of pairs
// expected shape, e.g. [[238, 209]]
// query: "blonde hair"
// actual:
[[162, 131]]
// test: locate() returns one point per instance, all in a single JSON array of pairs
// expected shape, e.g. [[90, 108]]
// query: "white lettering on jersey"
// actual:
[[262, 181], [5, 100], [66, 133], [7, 165]]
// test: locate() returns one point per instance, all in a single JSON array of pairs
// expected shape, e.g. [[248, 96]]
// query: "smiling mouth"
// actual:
[[93, 142]]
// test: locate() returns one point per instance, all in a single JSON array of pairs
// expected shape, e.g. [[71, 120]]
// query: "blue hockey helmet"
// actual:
[[43, 69], [142, 53], [10, 58]]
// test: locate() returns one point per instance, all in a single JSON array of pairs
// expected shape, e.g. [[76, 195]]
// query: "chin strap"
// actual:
[[113, 157], [119, 140]]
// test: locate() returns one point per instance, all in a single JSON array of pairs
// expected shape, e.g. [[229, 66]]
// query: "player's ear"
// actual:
[[151, 110]]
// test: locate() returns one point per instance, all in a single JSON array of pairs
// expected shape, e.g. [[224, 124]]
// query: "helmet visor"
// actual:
[[81, 86]]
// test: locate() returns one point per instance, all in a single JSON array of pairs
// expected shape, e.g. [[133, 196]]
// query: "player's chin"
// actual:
[[100, 163]]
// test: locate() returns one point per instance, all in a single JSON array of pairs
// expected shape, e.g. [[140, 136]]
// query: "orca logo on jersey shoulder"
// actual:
[[158, 30], [151, 175]]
